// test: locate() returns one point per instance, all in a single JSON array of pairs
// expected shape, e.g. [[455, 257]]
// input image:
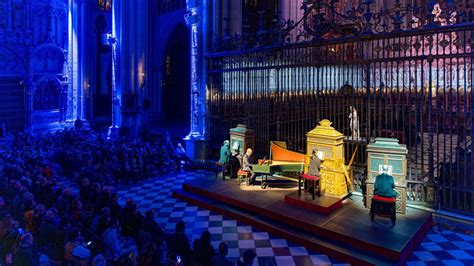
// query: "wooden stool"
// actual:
[[243, 174], [314, 179], [222, 167], [384, 207]]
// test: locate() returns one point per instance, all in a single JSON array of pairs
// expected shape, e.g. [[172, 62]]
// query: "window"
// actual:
[[47, 94], [166, 6]]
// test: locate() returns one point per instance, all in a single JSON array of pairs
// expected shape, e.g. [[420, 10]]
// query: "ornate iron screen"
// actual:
[[412, 85]]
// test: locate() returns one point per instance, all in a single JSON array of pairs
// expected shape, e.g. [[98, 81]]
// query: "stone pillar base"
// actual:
[[85, 124], [195, 149], [113, 133]]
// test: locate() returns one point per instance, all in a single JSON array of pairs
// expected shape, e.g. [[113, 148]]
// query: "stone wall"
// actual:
[[33, 41]]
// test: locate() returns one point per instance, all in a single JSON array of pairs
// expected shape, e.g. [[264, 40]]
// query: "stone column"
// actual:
[[196, 20], [71, 106], [116, 88], [76, 103]]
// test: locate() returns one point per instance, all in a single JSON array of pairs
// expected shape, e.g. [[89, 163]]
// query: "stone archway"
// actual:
[[176, 78], [13, 76]]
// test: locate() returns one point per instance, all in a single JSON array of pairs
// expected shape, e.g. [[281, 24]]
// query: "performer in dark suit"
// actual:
[[246, 165], [234, 162]]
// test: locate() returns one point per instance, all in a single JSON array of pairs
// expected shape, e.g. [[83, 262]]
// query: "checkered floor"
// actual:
[[448, 248]]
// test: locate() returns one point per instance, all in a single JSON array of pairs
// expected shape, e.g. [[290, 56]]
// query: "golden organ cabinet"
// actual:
[[335, 179]]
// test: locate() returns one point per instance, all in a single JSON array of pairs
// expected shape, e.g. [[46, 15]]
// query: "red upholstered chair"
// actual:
[[243, 174], [384, 207], [314, 179]]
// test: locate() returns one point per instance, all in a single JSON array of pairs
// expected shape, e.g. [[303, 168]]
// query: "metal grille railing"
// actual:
[[414, 86]]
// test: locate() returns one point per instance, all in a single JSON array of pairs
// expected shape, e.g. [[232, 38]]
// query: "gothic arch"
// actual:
[[176, 76], [47, 93], [48, 58], [168, 28], [163, 27]]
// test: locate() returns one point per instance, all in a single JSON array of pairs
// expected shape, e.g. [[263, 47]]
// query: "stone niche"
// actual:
[[33, 41]]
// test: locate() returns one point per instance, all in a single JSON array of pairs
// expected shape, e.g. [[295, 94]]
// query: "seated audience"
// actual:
[[99, 260], [178, 244], [203, 250], [117, 246], [131, 221], [99, 224], [24, 254], [150, 226], [220, 259], [149, 255], [36, 204], [247, 258], [76, 253]]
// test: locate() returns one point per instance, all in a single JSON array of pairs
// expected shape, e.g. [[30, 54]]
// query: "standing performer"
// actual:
[[354, 122], [225, 153], [246, 165], [224, 156]]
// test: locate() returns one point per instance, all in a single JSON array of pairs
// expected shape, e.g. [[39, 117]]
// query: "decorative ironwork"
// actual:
[[415, 87], [326, 19]]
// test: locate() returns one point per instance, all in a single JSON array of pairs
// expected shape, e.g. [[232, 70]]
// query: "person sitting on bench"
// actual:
[[315, 163], [234, 162], [247, 165], [384, 184], [314, 168]]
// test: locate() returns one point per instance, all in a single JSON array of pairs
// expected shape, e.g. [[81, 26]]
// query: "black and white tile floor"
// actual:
[[448, 248]]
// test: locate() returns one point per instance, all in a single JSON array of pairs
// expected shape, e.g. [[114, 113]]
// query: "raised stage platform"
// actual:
[[346, 232]]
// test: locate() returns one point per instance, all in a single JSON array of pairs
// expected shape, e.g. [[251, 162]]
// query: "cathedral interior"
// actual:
[[127, 126]]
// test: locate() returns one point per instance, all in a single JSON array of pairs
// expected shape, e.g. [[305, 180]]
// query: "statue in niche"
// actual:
[[354, 122]]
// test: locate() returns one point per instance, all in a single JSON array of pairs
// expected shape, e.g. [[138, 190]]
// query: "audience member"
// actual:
[[99, 224], [76, 253], [178, 244], [247, 258], [99, 260], [203, 250], [152, 227], [117, 246], [220, 259], [25, 255]]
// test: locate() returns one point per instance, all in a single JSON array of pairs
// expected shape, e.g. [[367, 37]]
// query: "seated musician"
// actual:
[[246, 165], [317, 157], [234, 161], [315, 163], [384, 184]]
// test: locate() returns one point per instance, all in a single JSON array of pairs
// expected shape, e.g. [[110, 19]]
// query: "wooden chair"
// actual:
[[316, 183], [383, 207]]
